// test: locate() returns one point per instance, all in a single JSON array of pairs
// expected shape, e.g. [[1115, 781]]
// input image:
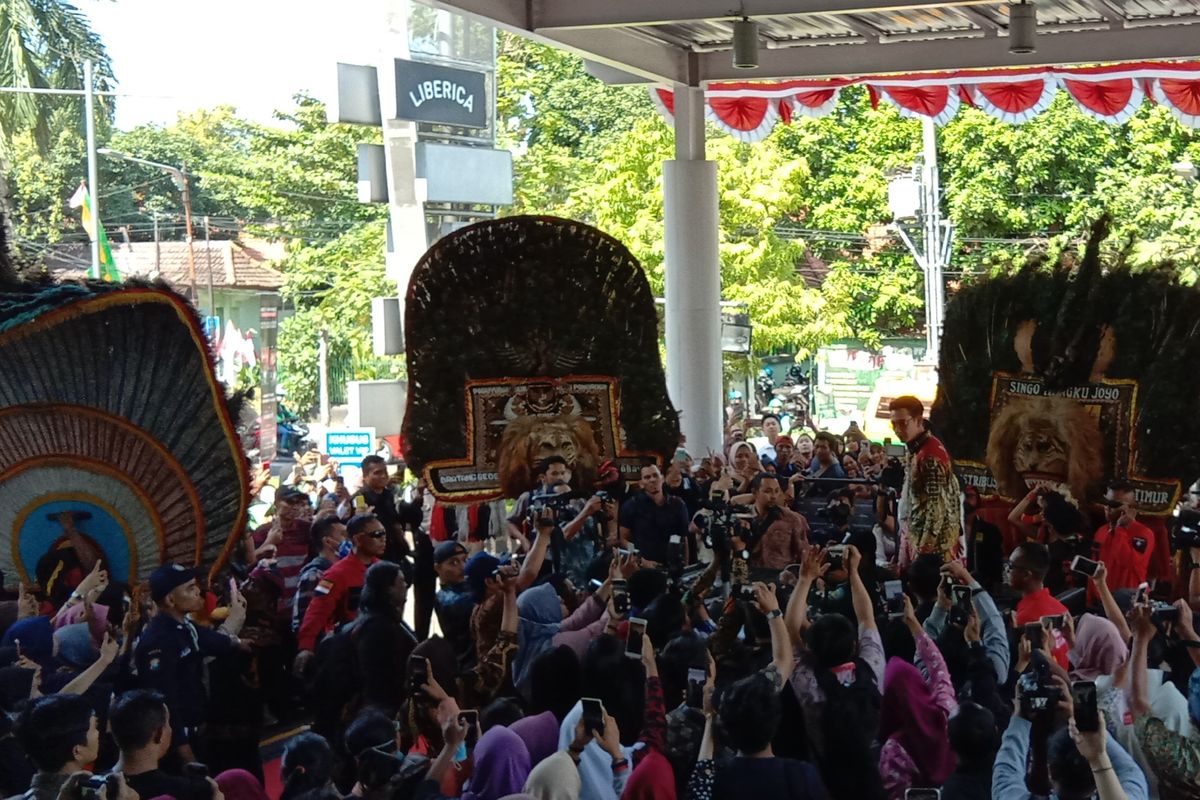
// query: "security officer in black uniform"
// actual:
[[169, 655]]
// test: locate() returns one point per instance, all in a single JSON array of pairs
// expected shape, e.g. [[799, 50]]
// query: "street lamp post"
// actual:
[[180, 176], [917, 197]]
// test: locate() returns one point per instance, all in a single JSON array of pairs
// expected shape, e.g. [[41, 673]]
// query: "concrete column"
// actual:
[[693, 278]]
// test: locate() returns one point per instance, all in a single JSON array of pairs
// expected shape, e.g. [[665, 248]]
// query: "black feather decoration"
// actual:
[[1092, 319], [530, 297]]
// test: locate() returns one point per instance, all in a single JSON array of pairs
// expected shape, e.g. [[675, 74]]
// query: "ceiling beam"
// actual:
[[862, 28], [577, 14], [629, 51], [975, 15], [1111, 13], [1132, 44]]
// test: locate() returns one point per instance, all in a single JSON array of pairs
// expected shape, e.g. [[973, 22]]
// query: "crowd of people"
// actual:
[[728, 628]]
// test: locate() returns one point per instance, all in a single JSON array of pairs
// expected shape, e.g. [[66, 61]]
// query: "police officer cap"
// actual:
[[447, 550], [167, 578]]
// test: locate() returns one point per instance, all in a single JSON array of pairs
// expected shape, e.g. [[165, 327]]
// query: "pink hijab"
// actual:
[[910, 716], [75, 614], [1099, 649]]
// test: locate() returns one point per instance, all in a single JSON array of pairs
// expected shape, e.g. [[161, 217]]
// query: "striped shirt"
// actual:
[[291, 555]]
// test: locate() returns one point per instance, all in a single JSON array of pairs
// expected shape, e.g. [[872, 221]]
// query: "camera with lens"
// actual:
[[1039, 694], [1163, 612], [1187, 529], [549, 499]]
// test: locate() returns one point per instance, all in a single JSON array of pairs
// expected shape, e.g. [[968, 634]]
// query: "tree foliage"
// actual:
[[43, 44], [292, 181]]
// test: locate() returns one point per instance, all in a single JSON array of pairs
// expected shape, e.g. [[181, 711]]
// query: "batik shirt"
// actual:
[[931, 501]]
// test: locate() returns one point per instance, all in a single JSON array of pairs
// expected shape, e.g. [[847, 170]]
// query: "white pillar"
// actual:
[[693, 278]]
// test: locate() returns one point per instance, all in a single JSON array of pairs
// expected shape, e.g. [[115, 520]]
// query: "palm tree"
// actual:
[[43, 44]]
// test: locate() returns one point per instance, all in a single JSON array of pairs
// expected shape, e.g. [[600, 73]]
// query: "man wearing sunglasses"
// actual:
[[335, 600]]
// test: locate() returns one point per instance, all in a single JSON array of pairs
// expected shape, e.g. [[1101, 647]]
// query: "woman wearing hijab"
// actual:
[[914, 725], [501, 766], [652, 779], [545, 625], [745, 465], [1099, 653], [556, 778], [238, 784], [540, 735]]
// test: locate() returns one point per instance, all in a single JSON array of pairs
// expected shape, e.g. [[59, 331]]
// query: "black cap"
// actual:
[[167, 578], [447, 550], [289, 493]]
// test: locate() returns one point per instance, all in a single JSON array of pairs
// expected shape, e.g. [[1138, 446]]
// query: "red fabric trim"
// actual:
[[1181, 94], [1106, 98], [740, 113], [1110, 93], [1013, 98]]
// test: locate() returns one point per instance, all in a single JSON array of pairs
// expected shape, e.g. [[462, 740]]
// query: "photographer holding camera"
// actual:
[[779, 535], [1068, 763]]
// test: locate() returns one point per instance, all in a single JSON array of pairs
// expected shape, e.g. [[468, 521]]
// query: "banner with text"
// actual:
[[1075, 438]]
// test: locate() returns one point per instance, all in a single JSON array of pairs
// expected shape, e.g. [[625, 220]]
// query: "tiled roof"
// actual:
[[233, 264]]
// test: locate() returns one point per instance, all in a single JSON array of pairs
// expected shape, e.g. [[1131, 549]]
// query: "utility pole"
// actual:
[[89, 113], [187, 217], [323, 376], [212, 308], [157, 249], [919, 195]]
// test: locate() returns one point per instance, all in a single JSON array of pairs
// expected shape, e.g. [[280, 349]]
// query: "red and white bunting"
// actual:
[[940, 103], [1181, 96], [750, 119], [1015, 102], [1112, 94]]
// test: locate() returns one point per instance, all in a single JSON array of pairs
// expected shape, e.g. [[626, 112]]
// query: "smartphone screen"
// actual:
[[961, 595], [1057, 622], [620, 597], [593, 714], [418, 673], [922, 794], [1087, 714], [633, 643], [1034, 632], [470, 718], [893, 595], [695, 687], [1084, 566]]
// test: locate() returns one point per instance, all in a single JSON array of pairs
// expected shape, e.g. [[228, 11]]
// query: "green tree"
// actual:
[[43, 44], [331, 287]]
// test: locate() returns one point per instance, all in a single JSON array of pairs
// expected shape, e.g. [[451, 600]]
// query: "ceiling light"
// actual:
[[1022, 28], [745, 44]]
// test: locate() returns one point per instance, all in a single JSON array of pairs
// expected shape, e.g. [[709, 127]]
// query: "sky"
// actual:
[[179, 55]]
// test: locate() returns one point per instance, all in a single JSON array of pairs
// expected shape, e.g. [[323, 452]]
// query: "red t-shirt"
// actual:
[[1041, 603], [1126, 551]]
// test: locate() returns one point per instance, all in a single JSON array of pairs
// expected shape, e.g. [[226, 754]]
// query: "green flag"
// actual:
[[108, 267]]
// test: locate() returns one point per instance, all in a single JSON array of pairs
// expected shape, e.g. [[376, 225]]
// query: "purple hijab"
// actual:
[[540, 734], [910, 716], [501, 766]]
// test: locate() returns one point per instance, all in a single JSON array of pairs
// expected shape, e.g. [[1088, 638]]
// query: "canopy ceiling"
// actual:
[[688, 41]]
